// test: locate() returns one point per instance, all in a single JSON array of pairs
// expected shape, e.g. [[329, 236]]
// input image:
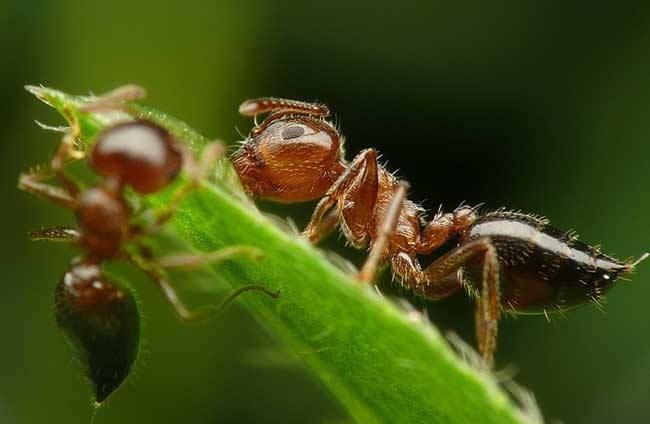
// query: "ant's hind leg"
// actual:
[[488, 306], [193, 260], [63, 234], [434, 281], [202, 312], [407, 268]]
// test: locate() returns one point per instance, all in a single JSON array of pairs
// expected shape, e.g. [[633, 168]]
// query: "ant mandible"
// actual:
[[508, 261], [146, 157]]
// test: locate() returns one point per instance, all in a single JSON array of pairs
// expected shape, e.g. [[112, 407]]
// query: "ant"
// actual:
[[144, 156], [508, 261]]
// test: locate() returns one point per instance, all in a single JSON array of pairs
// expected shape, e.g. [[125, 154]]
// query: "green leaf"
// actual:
[[380, 362]]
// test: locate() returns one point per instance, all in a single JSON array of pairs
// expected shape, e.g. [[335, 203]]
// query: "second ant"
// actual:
[[99, 317]]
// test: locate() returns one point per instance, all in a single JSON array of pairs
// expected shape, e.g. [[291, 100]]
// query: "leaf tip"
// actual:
[[34, 89], [42, 93]]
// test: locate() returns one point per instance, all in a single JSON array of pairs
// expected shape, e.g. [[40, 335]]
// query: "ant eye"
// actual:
[[294, 131]]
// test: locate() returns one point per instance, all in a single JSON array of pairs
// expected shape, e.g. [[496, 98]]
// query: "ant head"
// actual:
[[141, 154], [286, 157]]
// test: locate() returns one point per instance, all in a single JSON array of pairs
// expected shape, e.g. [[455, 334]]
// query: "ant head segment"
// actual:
[[140, 154], [292, 155]]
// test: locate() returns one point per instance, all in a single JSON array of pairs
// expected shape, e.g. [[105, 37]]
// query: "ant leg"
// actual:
[[202, 312], [327, 225], [67, 151], [194, 260], [55, 234], [386, 230], [487, 307], [32, 183], [435, 277], [114, 99], [197, 172], [65, 196], [407, 267], [359, 183]]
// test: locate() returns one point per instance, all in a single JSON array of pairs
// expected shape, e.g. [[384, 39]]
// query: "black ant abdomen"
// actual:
[[541, 268], [101, 324]]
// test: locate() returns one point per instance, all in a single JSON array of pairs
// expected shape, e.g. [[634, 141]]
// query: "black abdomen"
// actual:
[[541, 268]]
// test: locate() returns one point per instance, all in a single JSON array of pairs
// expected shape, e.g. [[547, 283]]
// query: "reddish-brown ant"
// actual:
[[508, 261], [98, 316]]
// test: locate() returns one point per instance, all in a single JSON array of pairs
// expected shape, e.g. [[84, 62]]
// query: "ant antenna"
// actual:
[[96, 406], [239, 132], [641, 259]]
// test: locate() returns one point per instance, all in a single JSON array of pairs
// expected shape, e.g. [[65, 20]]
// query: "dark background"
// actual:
[[528, 105]]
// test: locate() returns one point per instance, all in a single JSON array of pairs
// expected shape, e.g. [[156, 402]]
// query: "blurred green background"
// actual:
[[527, 105]]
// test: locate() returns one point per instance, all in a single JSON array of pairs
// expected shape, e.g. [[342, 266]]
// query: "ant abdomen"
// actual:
[[541, 268], [141, 154], [101, 324]]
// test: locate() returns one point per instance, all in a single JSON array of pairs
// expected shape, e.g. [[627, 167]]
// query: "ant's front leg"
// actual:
[[436, 282], [356, 193], [385, 231], [197, 172], [153, 269], [67, 149], [32, 182]]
